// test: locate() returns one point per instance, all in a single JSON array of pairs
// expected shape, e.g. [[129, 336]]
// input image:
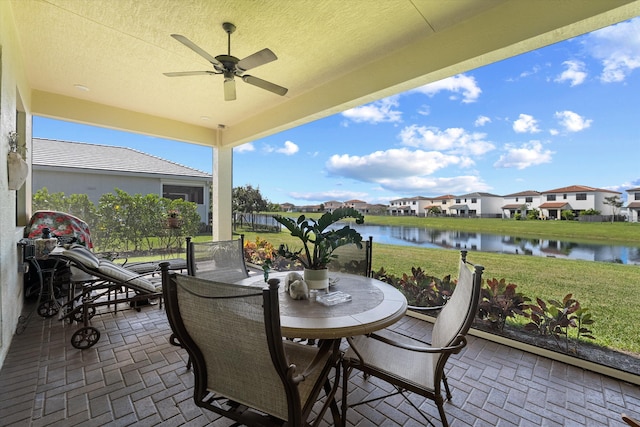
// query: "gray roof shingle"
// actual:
[[80, 155]]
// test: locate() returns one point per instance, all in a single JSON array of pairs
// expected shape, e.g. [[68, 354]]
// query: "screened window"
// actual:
[[189, 194], [528, 200], [581, 196], [551, 197]]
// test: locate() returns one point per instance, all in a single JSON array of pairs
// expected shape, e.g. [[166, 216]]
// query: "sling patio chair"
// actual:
[[411, 365], [352, 259], [217, 260], [255, 377]]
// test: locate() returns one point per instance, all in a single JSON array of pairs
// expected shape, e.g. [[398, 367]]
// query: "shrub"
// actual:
[[555, 318], [498, 301], [420, 289]]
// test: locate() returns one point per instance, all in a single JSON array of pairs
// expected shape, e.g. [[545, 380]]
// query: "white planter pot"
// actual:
[[317, 279], [18, 170]]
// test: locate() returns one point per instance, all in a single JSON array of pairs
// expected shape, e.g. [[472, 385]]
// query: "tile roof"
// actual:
[[554, 205], [96, 157], [634, 205], [524, 193], [580, 189], [513, 206]]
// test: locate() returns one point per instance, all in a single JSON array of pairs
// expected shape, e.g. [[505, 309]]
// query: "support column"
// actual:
[[221, 210]]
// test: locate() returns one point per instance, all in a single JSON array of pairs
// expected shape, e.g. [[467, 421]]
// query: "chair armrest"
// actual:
[[328, 349], [459, 344]]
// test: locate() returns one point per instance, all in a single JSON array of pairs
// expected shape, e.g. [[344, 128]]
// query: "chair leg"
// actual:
[[346, 371], [446, 387], [443, 416]]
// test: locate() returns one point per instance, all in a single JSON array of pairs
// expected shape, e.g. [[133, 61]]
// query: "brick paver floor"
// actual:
[[133, 376]]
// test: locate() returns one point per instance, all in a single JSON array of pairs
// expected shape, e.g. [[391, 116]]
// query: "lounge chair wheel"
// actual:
[[85, 337], [47, 309], [79, 315]]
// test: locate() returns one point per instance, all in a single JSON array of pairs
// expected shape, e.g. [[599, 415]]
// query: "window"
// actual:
[[189, 194], [444, 202], [581, 196], [516, 199], [551, 197], [458, 201], [636, 196], [527, 199], [474, 200], [564, 196]]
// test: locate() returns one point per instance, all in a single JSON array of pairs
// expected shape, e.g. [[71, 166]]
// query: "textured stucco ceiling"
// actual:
[[332, 55]]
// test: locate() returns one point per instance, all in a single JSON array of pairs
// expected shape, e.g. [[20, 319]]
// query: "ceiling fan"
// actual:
[[230, 66]]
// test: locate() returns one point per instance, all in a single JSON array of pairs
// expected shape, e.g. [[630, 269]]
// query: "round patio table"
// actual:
[[374, 305]]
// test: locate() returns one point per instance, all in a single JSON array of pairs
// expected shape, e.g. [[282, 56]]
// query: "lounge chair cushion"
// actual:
[[119, 273], [82, 256]]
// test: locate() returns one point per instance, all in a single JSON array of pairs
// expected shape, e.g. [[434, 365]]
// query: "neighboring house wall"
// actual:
[[633, 204], [478, 204], [80, 168], [521, 203], [576, 198]]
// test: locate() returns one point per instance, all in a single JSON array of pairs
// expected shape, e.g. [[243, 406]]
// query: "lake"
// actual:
[[483, 242]]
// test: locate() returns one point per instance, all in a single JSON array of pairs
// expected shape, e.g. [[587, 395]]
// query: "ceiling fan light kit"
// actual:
[[230, 66]]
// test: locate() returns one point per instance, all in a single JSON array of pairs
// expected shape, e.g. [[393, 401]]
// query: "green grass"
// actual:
[[610, 291]]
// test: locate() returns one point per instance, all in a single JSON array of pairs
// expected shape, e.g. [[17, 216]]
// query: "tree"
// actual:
[[615, 204], [248, 200]]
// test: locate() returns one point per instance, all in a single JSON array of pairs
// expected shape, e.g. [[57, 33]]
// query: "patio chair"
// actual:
[[254, 377], [351, 259], [411, 365], [221, 260], [631, 421]]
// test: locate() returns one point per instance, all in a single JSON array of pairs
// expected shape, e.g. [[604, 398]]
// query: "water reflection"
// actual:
[[431, 238]]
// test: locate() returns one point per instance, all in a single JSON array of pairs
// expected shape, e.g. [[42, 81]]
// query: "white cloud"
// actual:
[[390, 164], [618, 49], [526, 124], [433, 185], [528, 154], [571, 121], [453, 140], [376, 112], [329, 195], [574, 73], [466, 85], [481, 121], [531, 72], [289, 148], [244, 148]]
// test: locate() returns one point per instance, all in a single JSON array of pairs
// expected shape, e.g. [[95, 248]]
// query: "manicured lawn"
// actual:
[[610, 291]]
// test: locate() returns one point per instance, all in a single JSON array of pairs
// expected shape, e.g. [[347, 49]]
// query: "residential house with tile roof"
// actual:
[[413, 206], [633, 204], [576, 198], [520, 203], [480, 205], [442, 203], [94, 170]]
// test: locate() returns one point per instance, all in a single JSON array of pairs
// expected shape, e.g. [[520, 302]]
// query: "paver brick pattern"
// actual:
[[134, 376]]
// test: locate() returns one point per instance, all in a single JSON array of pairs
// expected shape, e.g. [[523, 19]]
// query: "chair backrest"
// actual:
[[248, 367], [351, 259], [458, 313], [221, 261]]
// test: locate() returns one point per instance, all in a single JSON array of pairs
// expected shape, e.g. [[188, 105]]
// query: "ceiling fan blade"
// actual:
[[188, 73], [229, 89], [271, 87], [191, 45], [259, 58]]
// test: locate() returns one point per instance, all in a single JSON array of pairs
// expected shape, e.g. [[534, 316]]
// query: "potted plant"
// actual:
[[319, 241], [173, 219]]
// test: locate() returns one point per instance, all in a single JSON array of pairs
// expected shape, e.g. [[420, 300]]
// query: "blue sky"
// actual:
[[566, 114]]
